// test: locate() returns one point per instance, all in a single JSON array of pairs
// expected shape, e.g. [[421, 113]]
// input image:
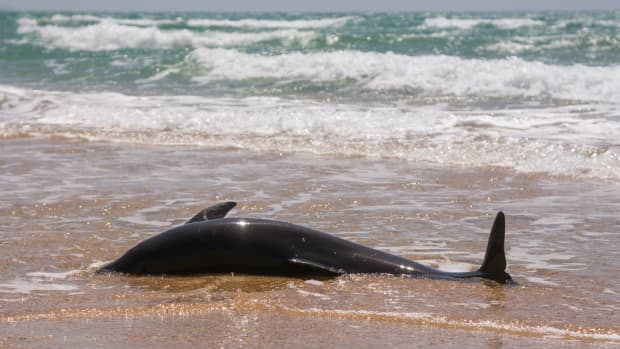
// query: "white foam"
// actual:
[[518, 44], [63, 19], [561, 141], [314, 294], [314, 282], [112, 35], [97, 265], [208, 22], [587, 22], [432, 75], [265, 23], [53, 276], [40, 281], [466, 23]]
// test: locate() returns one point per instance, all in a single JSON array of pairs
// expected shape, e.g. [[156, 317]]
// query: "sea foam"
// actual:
[[558, 141], [64, 19], [438, 75], [466, 23], [208, 22], [266, 23], [108, 35]]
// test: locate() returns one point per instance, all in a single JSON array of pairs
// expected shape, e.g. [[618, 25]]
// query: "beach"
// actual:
[[76, 205], [301, 118]]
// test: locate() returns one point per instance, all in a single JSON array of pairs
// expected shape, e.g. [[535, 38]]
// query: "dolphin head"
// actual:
[[129, 263]]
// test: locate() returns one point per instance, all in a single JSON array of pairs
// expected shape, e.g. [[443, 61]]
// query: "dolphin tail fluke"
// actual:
[[494, 264]]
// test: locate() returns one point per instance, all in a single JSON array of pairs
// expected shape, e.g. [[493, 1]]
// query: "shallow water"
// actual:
[[404, 132], [68, 206]]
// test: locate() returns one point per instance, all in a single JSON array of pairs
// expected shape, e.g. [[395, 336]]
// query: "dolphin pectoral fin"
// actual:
[[213, 212], [320, 267]]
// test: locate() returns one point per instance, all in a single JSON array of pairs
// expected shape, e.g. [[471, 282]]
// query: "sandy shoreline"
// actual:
[[68, 206]]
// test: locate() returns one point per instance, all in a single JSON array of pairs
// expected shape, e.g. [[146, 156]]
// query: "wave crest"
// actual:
[[465, 23], [266, 23], [109, 35], [430, 75]]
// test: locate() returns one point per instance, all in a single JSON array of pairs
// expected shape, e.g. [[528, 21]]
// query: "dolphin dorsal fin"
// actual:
[[213, 212]]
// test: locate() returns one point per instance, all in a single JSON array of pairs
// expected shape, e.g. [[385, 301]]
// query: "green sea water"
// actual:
[[290, 54], [532, 91]]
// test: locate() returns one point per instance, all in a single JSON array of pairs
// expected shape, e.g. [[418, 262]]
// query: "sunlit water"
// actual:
[[406, 133], [70, 206]]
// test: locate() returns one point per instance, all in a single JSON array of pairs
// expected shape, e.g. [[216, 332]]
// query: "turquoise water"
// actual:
[[404, 132], [536, 92], [368, 54]]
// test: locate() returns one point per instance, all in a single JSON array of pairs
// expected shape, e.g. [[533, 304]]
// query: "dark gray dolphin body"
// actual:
[[210, 243]]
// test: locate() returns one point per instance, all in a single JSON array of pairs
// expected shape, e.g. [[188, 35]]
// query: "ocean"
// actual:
[[402, 131]]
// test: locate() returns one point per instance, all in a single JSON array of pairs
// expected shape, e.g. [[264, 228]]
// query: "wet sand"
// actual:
[[68, 206]]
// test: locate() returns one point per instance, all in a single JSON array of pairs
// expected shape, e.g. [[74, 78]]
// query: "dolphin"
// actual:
[[210, 243]]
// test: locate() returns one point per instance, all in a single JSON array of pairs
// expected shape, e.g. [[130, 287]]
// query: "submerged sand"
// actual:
[[68, 206]]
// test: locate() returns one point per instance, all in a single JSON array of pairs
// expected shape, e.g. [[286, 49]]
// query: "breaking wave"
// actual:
[[107, 35], [429, 75], [558, 142], [464, 23], [266, 23]]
